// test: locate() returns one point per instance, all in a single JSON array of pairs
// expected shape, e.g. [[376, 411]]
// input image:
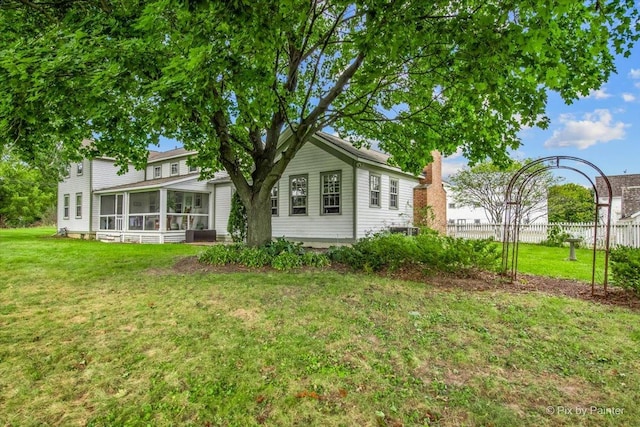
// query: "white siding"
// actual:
[[183, 168], [72, 185], [373, 219], [103, 175], [222, 208], [313, 161]]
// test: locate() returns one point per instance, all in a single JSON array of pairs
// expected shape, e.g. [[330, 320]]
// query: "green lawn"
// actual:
[[107, 334], [554, 262]]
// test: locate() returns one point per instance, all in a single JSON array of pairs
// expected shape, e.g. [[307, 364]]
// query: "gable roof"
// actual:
[[618, 182], [156, 156]]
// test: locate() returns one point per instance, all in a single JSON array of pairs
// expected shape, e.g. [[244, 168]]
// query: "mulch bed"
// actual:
[[478, 282]]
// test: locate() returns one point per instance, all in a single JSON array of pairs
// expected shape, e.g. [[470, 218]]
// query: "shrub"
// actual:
[[286, 261], [254, 257], [625, 267], [281, 245], [237, 222], [220, 254]]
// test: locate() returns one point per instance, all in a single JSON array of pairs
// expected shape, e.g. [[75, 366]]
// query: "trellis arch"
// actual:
[[513, 208]]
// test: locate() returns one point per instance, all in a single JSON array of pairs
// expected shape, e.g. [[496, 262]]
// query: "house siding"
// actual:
[[73, 185], [104, 174], [183, 168], [222, 209], [313, 161], [374, 219]]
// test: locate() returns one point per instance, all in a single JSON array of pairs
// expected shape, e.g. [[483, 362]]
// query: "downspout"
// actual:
[[355, 201], [90, 198]]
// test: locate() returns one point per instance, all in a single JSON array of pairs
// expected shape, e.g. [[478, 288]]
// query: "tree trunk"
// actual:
[[259, 220]]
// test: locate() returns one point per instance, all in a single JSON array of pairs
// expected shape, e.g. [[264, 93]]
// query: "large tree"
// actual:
[[485, 186], [571, 203], [228, 78]]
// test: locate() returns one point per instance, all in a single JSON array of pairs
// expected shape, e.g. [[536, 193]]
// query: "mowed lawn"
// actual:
[[108, 334]]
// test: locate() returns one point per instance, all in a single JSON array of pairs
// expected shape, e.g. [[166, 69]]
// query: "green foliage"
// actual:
[[570, 203], [281, 254], [556, 237], [428, 250], [237, 223], [625, 267], [26, 196], [227, 78]]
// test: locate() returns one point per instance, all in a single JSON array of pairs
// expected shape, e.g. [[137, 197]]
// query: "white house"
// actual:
[[330, 192], [625, 197], [458, 214]]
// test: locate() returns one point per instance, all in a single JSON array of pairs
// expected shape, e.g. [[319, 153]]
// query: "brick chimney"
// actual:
[[429, 198]]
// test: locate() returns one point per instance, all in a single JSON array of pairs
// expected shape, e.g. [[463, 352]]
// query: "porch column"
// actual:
[[163, 211], [125, 211], [212, 209]]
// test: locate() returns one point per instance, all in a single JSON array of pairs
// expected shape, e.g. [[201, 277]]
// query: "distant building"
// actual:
[[625, 192]]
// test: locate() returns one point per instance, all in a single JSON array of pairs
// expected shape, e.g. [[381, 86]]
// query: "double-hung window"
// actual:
[[174, 169], [330, 191], [374, 191], [66, 206], [78, 205], [393, 193], [298, 187], [157, 171], [79, 168]]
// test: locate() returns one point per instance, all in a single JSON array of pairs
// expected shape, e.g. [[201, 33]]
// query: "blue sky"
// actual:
[[602, 128]]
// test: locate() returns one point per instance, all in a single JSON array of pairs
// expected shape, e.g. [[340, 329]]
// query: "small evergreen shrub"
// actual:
[[237, 222], [625, 267]]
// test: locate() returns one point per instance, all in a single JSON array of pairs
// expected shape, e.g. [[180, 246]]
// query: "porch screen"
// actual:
[[144, 209]]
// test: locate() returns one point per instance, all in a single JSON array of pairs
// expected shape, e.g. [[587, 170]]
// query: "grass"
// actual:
[[553, 262], [107, 334]]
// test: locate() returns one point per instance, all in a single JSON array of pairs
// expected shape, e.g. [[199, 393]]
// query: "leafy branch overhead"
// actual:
[[227, 78]]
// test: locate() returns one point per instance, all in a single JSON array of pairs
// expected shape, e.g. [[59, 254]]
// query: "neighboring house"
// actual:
[[330, 192], [625, 193], [461, 215]]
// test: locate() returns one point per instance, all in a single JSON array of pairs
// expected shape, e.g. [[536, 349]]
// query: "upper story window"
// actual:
[[374, 191], [330, 182], [157, 171], [67, 172], [452, 205], [298, 194], [393, 193], [174, 169], [274, 200], [193, 169], [79, 168]]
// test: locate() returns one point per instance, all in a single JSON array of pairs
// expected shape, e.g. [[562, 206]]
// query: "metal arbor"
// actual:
[[513, 211]]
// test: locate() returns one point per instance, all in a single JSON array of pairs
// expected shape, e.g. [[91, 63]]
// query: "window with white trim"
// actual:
[[274, 200], [79, 169], [174, 169], [374, 191], [157, 171], [330, 192], [66, 202], [393, 193], [193, 168], [298, 192], [78, 205]]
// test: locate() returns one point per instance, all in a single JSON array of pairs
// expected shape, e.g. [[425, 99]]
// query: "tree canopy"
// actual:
[[485, 185], [227, 78], [571, 203]]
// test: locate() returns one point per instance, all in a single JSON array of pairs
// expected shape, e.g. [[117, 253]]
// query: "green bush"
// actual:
[[281, 255], [429, 250], [625, 267], [556, 237]]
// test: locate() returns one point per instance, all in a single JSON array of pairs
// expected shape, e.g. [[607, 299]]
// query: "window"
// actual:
[[476, 221], [452, 205], [451, 221], [330, 190], [374, 191], [298, 194], [78, 205], [67, 172], [461, 221], [393, 193], [111, 212], [193, 169], [66, 206], [157, 171], [274, 200], [79, 168], [197, 200], [174, 169]]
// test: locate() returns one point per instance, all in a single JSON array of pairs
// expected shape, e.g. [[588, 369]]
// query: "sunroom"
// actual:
[[137, 213]]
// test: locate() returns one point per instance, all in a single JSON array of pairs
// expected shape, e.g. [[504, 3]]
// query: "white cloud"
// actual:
[[449, 168], [594, 128], [628, 97], [634, 73], [599, 94]]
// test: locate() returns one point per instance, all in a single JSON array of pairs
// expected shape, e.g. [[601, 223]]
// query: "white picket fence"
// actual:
[[621, 234]]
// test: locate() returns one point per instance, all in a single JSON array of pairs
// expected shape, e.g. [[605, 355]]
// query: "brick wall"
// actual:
[[430, 198]]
